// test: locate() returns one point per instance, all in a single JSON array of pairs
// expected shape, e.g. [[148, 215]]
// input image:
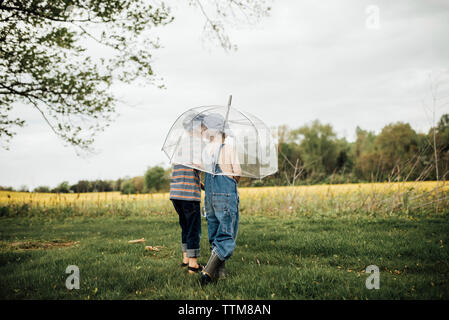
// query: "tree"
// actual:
[[24, 188], [101, 186], [42, 189], [218, 13], [344, 161], [439, 136], [45, 63], [155, 179], [63, 187], [138, 184], [397, 146], [318, 147], [82, 186], [437, 99], [127, 187], [443, 145], [117, 184], [364, 155], [290, 163], [443, 133]]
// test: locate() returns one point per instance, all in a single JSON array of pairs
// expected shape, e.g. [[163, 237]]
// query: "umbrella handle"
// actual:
[[227, 113]]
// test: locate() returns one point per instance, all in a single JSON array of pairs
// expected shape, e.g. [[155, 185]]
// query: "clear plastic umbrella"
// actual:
[[239, 142]]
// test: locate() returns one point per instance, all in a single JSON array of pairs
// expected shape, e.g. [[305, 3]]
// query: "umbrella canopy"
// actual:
[[239, 142]]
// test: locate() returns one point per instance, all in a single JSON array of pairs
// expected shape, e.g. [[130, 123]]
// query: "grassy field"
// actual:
[[307, 244]]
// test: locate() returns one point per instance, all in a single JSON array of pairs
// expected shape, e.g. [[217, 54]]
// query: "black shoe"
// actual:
[[200, 268], [184, 265], [205, 279]]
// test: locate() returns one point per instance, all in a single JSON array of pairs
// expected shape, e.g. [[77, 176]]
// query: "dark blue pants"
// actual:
[[190, 221]]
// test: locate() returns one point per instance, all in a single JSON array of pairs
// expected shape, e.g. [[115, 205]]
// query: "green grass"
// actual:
[[275, 258]]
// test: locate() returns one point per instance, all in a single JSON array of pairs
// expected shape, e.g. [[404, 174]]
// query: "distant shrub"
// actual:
[[42, 189], [127, 187], [24, 188], [138, 184], [63, 187], [257, 183]]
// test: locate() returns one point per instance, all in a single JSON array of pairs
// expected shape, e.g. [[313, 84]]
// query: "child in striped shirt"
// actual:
[[185, 194]]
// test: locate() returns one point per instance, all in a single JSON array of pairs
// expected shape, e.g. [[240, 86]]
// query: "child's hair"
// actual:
[[191, 119], [217, 123]]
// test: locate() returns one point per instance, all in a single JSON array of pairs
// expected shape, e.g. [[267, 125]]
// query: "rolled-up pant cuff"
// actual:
[[193, 253], [219, 254], [184, 247]]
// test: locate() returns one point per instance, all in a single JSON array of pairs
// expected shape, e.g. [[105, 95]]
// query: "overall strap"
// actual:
[[218, 154]]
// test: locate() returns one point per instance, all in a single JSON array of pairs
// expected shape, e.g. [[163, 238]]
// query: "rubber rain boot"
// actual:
[[221, 271], [209, 272]]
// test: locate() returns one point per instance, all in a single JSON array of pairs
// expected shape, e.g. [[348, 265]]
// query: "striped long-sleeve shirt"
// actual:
[[185, 184]]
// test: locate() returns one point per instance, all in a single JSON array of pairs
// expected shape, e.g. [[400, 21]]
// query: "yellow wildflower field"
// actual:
[[268, 200]]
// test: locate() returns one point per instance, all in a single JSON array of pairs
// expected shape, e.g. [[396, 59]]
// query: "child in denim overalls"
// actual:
[[221, 202]]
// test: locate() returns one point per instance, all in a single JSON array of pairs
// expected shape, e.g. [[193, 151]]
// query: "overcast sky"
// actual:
[[309, 60]]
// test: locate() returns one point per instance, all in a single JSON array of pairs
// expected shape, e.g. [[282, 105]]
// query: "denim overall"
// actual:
[[222, 211]]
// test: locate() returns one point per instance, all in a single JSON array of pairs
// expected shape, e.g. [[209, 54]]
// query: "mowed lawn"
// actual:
[[275, 258]]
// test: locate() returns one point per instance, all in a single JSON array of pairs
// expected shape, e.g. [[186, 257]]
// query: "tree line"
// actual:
[[313, 154], [155, 179]]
